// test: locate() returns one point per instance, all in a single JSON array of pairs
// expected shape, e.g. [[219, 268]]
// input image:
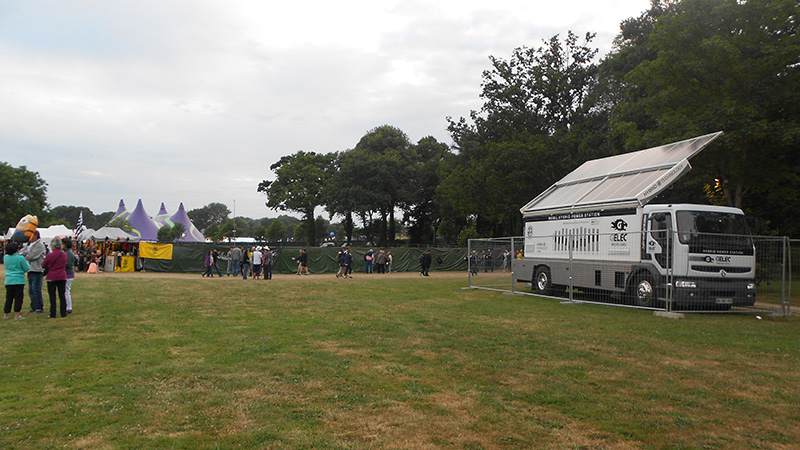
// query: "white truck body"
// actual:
[[608, 239]]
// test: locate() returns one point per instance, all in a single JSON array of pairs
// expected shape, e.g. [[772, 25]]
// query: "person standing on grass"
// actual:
[[340, 259], [235, 258], [302, 262], [266, 262], [389, 261], [56, 265], [35, 252], [257, 257], [72, 260], [368, 261], [207, 263], [425, 263], [215, 262], [348, 263], [380, 261], [15, 268], [245, 263]]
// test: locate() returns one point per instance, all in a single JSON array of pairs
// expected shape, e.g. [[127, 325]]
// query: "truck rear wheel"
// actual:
[[542, 283]]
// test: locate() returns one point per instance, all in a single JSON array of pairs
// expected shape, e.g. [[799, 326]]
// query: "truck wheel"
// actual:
[[542, 281], [643, 291]]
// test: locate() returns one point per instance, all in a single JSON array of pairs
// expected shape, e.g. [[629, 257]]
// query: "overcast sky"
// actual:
[[192, 101]]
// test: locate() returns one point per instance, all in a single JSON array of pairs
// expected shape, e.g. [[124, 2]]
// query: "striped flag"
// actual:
[[79, 226]]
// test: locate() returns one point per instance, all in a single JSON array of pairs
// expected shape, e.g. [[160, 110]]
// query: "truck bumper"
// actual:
[[715, 292]]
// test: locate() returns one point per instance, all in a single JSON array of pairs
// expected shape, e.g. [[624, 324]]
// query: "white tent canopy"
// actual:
[[629, 179], [110, 233], [46, 233]]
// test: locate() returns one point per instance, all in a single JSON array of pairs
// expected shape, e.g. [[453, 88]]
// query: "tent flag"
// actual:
[[149, 250]]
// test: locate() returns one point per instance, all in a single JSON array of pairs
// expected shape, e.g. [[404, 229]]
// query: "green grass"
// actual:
[[315, 363]]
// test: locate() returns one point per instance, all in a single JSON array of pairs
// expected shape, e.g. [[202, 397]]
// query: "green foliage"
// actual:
[[122, 224], [708, 65], [21, 192], [68, 216], [299, 182], [213, 214], [276, 231], [467, 233], [537, 122], [169, 233]]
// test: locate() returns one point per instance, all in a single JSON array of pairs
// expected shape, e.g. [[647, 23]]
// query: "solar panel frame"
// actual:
[[625, 178]]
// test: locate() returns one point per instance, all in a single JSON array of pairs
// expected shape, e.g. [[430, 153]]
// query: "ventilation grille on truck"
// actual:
[[714, 269]]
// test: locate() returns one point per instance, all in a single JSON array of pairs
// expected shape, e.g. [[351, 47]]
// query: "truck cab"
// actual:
[[705, 250]]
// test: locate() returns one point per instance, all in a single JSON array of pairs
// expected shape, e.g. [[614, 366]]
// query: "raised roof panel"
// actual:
[[629, 177]]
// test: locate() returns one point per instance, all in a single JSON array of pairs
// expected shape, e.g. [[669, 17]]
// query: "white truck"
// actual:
[[594, 231]]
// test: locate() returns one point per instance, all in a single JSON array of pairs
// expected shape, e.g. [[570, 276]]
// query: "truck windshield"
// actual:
[[714, 232]]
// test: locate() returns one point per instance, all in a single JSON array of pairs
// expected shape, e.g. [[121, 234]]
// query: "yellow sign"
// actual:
[[150, 250], [126, 264]]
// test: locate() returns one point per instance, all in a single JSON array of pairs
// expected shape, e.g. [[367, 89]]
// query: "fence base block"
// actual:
[[669, 315]]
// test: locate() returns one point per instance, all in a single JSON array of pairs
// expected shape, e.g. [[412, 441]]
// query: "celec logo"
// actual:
[[717, 259], [620, 226]]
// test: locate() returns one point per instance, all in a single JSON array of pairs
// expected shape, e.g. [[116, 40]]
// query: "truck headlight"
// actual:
[[751, 286], [685, 284]]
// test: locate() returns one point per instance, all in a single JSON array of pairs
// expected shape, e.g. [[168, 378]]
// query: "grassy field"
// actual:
[[152, 361]]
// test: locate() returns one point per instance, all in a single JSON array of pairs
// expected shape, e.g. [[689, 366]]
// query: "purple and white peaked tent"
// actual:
[[190, 232], [163, 217], [143, 226]]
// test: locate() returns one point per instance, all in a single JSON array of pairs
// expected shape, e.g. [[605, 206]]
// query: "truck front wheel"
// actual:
[[643, 291], [542, 281]]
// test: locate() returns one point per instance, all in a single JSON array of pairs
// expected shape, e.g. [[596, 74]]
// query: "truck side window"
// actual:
[[660, 226]]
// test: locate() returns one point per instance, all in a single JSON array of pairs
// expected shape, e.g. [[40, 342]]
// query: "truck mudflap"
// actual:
[[713, 293]]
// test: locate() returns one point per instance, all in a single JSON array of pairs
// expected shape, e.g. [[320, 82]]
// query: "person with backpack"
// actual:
[[16, 266], [368, 261]]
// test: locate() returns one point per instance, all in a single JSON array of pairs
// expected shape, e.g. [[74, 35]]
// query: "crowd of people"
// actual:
[[255, 262], [486, 260], [33, 262]]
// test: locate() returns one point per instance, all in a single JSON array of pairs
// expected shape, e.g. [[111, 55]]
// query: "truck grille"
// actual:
[[714, 269]]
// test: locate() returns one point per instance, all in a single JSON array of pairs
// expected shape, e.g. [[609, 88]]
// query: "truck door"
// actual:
[[659, 238]]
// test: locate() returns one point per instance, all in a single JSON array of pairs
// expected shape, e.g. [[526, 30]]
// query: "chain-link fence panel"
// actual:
[[489, 262], [657, 269]]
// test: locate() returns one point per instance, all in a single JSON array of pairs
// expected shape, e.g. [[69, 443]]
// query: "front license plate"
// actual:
[[724, 301]]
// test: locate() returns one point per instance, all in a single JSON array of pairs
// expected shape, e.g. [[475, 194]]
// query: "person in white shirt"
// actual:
[[257, 256]]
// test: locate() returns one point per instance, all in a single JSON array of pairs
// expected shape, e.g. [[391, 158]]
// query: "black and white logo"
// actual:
[[709, 259], [619, 225]]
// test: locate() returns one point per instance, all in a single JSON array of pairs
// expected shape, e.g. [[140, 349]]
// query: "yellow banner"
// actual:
[[126, 264], [150, 250]]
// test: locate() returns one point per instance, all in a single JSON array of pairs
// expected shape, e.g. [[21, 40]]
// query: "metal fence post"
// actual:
[[670, 269], [469, 263], [571, 282], [784, 299], [511, 265]]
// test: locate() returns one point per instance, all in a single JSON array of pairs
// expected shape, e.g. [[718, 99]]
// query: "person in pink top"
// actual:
[[56, 266]]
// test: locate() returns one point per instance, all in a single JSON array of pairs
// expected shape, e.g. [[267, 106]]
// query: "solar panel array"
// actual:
[[619, 178]]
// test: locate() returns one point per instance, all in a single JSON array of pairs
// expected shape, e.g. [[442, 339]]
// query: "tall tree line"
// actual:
[[678, 70]]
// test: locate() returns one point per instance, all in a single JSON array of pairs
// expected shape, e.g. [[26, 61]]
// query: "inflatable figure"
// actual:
[[26, 229]]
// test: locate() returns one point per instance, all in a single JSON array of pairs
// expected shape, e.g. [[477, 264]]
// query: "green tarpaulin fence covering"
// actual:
[[189, 258]]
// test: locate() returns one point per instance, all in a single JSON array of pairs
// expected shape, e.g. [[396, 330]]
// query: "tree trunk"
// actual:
[[348, 226], [738, 196], [311, 232], [392, 226], [383, 228]]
